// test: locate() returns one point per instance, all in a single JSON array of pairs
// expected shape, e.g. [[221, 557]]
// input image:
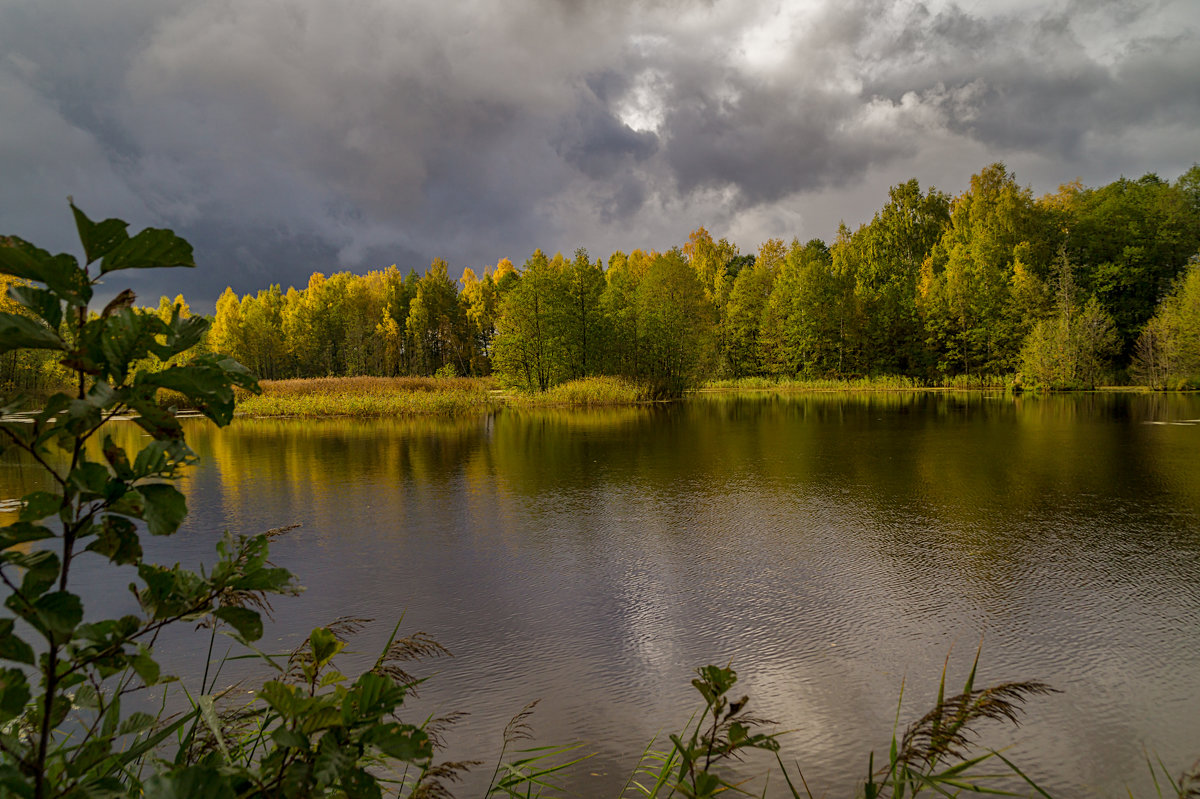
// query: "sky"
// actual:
[[283, 137]]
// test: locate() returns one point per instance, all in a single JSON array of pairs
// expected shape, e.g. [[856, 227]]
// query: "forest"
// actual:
[[1081, 287]]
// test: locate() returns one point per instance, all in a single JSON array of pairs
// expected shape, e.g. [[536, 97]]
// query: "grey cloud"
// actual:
[[286, 138], [598, 144]]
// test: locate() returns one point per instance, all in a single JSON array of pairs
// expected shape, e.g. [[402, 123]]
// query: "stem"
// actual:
[[39, 764]]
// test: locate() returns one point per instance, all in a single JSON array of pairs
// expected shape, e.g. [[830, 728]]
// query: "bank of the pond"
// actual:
[[415, 396]]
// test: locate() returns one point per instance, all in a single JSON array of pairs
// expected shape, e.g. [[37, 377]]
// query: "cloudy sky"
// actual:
[[283, 137]]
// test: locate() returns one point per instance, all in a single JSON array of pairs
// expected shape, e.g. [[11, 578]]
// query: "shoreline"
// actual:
[[384, 397]]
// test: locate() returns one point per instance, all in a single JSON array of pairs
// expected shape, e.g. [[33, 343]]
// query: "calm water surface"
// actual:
[[831, 546]]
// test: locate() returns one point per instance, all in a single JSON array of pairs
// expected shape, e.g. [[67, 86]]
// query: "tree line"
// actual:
[[1078, 286]]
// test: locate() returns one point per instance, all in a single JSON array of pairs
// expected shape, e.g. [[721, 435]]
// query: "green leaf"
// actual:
[[117, 459], [187, 783], [127, 337], [88, 755], [165, 508], [145, 666], [208, 712], [90, 479], [99, 238], [160, 423], [401, 741], [283, 698], [13, 648], [21, 332], [42, 302], [324, 646], [182, 335], [153, 247], [117, 540], [289, 739], [59, 613], [41, 571], [22, 533], [39, 505], [275, 581], [60, 273], [14, 693], [247, 622]]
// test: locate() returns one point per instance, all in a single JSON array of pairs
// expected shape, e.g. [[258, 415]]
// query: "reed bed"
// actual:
[[587, 391], [876, 383], [880, 383], [368, 396]]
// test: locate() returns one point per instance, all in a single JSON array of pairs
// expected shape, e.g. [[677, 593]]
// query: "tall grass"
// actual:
[[368, 396], [600, 390], [880, 383], [873, 383]]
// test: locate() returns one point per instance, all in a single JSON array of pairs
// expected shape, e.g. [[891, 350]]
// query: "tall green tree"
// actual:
[[742, 316], [676, 325], [436, 325], [966, 279], [1167, 354], [584, 333], [1132, 239], [1074, 347], [529, 350]]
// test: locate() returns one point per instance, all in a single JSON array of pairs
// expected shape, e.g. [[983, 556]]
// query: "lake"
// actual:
[[831, 546]]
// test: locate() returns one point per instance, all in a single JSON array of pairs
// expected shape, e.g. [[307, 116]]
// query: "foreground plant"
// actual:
[[721, 731], [63, 731]]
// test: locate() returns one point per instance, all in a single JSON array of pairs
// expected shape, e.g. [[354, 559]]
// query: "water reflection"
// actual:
[[830, 544]]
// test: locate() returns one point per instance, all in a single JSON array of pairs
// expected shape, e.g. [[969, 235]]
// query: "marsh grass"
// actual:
[[876, 383], [369, 396], [600, 390], [881, 383]]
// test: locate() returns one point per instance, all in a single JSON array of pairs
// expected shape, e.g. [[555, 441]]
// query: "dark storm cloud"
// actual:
[[286, 137], [1029, 82]]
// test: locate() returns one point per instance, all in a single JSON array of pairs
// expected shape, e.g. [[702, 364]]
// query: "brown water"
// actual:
[[830, 546]]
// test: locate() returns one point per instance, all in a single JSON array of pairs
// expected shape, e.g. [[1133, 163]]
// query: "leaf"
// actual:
[[42, 302], [208, 712], [14, 693], [126, 337], [98, 238], [247, 622], [117, 540], [187, 783], [135, 723], [153, 247], [165, 508], [11, 647], [117, 459], [401, 741], [289, 739], [59, 613], [21, 332], [88, 755], [60, 273], [145, 666], [182, 335], [324, 646], [158, 422], [41, 571], [90, 479], [284, 698], [39, 505]]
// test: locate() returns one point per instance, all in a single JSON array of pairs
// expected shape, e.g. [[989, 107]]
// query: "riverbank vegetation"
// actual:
[[990, 288], [368, 396]]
